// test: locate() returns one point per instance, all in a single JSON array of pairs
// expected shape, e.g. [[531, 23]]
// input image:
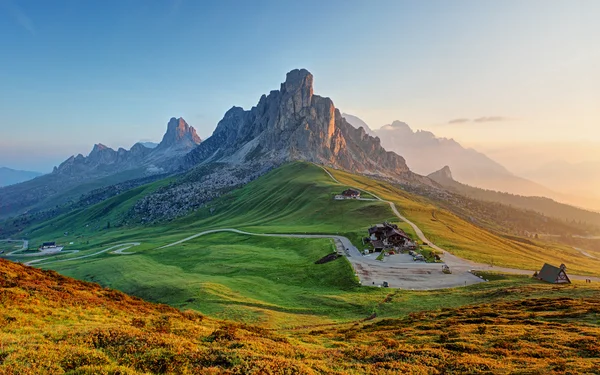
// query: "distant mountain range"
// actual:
[[102, 167], [288, 124], [425, 153], [579, 178], [149, 144], [10, 176], [178, 140], [542, 205], [358, 123]]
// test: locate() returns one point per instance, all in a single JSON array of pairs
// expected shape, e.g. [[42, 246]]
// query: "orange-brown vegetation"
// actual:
[[51, 324]]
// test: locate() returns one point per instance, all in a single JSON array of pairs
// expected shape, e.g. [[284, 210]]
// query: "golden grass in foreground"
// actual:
[[51, 324]]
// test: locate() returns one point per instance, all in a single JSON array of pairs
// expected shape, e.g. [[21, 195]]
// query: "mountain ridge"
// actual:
[[425, 152], [293, 123], [179, 139], [9, 176], [81, 174], [543, 205]]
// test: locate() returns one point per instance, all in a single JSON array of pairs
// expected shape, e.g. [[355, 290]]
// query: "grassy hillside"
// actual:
[[270, 281], [469, 241], [296, 198], [542, 205], [51, 324], [51, 191]]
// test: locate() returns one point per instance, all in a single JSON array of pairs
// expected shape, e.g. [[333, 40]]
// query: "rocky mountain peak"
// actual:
[[446, 172], [99, 147], [442, 175], [358, 123], [299, 84], [398, 126], [295, 124], [179, 133]]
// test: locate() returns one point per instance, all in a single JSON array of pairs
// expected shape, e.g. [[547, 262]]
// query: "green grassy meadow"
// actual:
[[469, 241], [274, 282]]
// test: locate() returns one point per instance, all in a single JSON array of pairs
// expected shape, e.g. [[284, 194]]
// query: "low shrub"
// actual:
[[102, 370], [224, 333], [161, 361], [78, 357], [162, 324], [138, 322], [192, 315]]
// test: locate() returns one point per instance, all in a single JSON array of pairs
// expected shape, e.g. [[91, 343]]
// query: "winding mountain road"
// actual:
[[456, 263], [116, 249], [401, 272], [25, 245]]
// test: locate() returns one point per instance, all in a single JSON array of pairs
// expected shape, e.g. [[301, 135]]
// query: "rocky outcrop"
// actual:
[[104, 166], [293, 123], [358, 123], [179, 136], [178, 140], [193, 191], [442, 176]]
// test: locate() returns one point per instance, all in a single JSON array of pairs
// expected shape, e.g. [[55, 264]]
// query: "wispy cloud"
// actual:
[[19, 16], [490, 119], [459, 121]]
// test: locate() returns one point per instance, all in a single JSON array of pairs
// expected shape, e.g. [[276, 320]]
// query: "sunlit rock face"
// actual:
[[293, 123]]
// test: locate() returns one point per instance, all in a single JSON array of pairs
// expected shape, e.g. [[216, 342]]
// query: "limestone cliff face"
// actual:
[[179, 135], [293, 123]]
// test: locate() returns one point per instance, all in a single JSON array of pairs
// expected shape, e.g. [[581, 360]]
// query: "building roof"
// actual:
[[377, 244], [551, 274], [351, 192], [376, 228], [396, 232], [383, 226], [49, 244]]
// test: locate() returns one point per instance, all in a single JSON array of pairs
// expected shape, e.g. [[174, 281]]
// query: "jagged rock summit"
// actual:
[[178, 140], [443, 175], [179, 134], [293, 123], [358, 123]]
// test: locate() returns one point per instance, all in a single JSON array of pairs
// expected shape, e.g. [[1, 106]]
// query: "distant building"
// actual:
[[396, 237], [351, 193], [48, 245], [554, 275], [390, 234], [378, 231]]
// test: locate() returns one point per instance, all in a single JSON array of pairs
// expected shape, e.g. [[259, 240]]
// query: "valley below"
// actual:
[[290, 214]]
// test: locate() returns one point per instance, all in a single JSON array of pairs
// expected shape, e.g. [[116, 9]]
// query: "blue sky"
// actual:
[[74, 73]]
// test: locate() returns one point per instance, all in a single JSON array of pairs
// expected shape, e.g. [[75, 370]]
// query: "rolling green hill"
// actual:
[[542, 205], [468, 240], [270, 281]]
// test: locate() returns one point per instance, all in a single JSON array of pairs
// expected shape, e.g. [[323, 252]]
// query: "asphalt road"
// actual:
[[371, 272], [458, 265]]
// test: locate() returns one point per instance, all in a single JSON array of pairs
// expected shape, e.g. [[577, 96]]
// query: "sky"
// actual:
[[487, 73]]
